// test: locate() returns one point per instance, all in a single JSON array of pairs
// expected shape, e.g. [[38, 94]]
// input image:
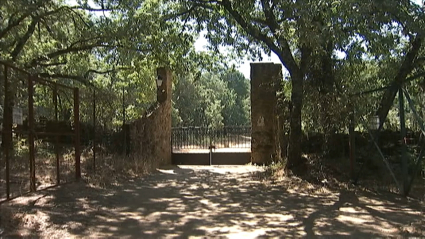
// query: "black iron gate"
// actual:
[[227, 145]]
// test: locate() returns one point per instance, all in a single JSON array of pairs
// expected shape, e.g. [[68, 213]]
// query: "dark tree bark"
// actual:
[[295, 135], [298, 74], [405, 69]]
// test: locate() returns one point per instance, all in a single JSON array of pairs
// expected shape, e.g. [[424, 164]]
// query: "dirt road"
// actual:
[[195, 201]]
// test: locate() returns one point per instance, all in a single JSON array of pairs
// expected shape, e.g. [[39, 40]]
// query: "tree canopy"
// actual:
[[316, 41], [113, 47], [214, 100], [333, 50]]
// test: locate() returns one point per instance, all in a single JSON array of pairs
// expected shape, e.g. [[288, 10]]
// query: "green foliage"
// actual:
[[365, 33], [332, 49], [213, 100], [238, 111], [111, 46]]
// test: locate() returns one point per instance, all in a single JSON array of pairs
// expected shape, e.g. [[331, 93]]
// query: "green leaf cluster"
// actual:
[[214, 100]]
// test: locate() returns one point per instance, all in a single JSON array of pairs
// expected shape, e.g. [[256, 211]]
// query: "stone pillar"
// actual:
[[164, 93], [265, 81]]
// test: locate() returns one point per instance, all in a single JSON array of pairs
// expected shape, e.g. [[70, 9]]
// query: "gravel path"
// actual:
[[210, 201]]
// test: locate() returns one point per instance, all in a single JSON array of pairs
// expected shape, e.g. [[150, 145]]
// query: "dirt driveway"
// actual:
[[204, 201]]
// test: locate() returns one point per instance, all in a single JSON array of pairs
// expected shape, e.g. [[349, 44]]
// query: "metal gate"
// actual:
[[229, 145]]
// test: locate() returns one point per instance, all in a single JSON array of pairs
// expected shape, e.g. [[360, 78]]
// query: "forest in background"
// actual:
[[212, 100]]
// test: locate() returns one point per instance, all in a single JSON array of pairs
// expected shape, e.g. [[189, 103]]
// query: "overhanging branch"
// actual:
[[77, 78], [81, 78], [64, 51], [106, 71], [405, 69], [13, 23], [283, 50]]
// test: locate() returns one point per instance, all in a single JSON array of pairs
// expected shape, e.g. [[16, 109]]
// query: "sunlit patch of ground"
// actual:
[[211, 201], [217, 150]]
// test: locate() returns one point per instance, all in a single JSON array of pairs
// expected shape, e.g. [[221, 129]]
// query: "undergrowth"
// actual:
[[114, 169]]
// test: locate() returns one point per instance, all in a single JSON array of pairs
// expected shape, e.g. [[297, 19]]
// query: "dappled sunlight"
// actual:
[[354, 218], [169, 171], [214, 201]]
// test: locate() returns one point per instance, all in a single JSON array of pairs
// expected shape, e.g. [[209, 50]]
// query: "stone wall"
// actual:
[[265, 81], [150, 135]]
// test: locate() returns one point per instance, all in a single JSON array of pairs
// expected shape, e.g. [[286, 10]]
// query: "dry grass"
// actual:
[[21, 223], [114, 169], [110, 169], [323, 179], [10, 218], [334, 174]]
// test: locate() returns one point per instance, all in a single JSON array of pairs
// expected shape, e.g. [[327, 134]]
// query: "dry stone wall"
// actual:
[[265, 81], [151, 134]]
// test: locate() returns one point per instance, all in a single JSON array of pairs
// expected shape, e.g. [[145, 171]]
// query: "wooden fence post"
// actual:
[[77, 133], [31, 132], [55, 101], [94, 130], [352, 144], [7, 126], [403, 143]]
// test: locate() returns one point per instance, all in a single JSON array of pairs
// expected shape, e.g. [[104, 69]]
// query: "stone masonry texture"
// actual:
[[265, 80], [151, 134]]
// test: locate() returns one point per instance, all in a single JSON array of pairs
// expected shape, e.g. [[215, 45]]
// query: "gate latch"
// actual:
[[211, 147]]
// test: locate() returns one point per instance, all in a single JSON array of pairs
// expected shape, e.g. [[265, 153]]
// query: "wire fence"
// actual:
[[40, 132], [55, 131]]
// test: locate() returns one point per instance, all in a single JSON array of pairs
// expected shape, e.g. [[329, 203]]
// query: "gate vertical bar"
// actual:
[[238, 132], [6, 127], [31, 132], [220, 134], [179, 138], [55, 101], [192, 137], [403, 138], [211, 148], [77, 133], [205, 136]]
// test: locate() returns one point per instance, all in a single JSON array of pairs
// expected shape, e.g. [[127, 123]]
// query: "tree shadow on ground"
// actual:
[[211, 201]]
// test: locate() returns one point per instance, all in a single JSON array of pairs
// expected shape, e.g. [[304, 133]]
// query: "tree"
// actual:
[[113, 47], [305, 35], [214, 100], [239, 112], [321, 44]]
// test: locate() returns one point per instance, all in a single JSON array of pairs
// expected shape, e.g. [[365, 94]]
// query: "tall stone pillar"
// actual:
[[265, 81], [164, 93]]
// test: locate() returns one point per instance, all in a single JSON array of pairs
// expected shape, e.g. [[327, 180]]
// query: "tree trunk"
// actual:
[[405, 69], [282, 111], [295, 135], [7, 110]]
